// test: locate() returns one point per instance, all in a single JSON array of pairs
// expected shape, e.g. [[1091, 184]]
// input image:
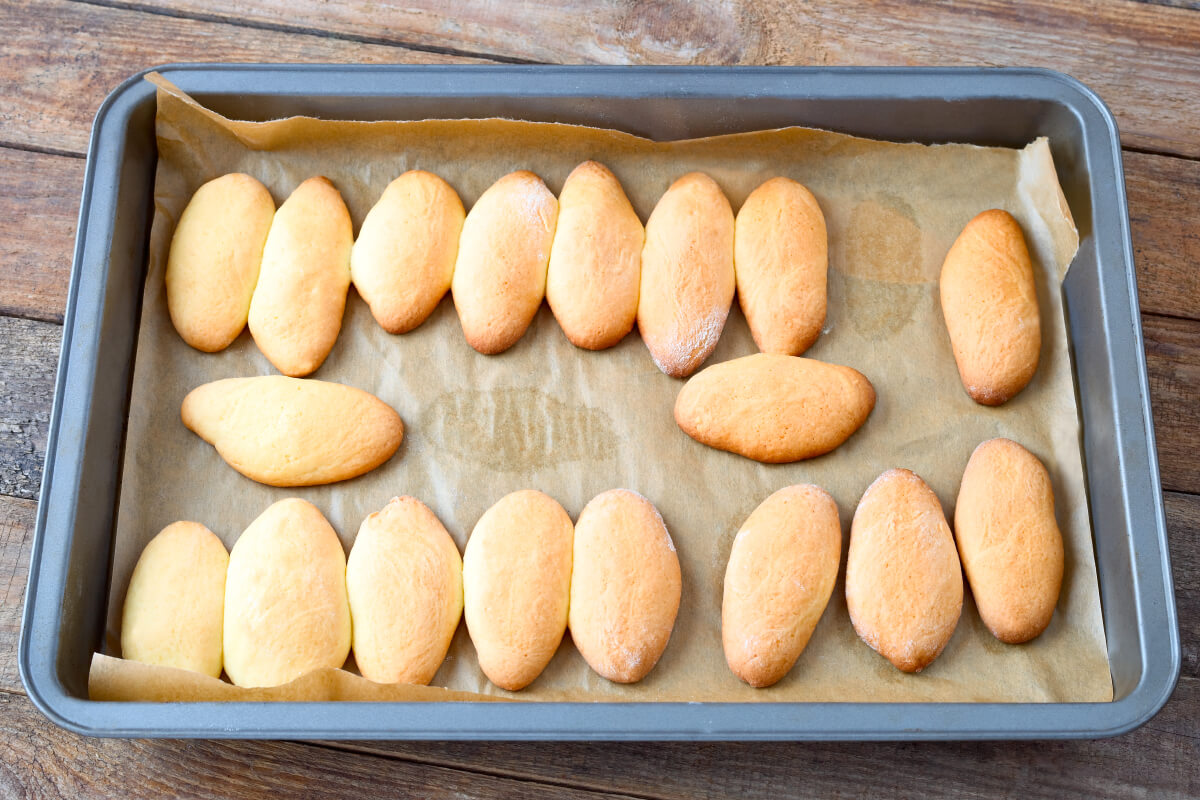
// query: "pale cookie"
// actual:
[[517, 586], [774, 408], [625, 586], [296, 311], [687, 274], [781, 257], [403, 260], [595, 269], [781, 573], [500, 275], [989, 301], [904, 586], [291, 432], [1011, 548], [404, 579], [175, 601], [286, 612], [215, 255]]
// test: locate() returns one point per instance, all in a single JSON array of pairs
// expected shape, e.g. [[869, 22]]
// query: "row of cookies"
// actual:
[[286, 600], [234, 260], [904, 569]]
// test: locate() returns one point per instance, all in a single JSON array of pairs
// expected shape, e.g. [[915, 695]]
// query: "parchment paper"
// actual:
[[574, 423]]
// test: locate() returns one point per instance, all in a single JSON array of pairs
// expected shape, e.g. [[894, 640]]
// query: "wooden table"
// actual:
[[61, 57]]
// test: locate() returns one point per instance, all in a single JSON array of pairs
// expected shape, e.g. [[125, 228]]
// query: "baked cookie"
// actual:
[[174, 605], [291, 432], [989, 300], [403, 260], [286, 612], [1011, 548], [781, 257], [781, 573], [687, 274], [517, 586], [774, 408], [595, 269], [904, 586], [215, 255], [404, 579], [296, 311], [500, 275], [625, 586]]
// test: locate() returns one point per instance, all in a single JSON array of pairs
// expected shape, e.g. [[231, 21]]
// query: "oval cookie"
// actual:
[[404, 579], [214, 260], [403, 260], [774, 408], [781, 258], [625, 586], [175, 601], [595, 269], [989, 301], [687, 274], [291, 432], [517, 586], [286, 612], [904, 586], [781, 573], [500, 275], [1011, 548], [296, 311]]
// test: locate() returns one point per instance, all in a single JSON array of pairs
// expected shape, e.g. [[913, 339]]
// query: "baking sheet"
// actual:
[[574, 423]]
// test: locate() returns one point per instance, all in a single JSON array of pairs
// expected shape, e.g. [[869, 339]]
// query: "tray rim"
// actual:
[[693, 721]]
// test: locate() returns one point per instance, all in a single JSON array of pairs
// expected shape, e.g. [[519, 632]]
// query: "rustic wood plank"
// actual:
[[60, 59], [16, 540], [40, 760], [28, 362], [39, 196], [1164, 194], [1154, 46], [1173, 364]]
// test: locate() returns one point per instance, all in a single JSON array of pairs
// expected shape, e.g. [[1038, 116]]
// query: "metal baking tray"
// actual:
[[68, 578]]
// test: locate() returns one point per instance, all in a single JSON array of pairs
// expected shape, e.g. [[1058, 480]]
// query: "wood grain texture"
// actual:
[[28, 361], [1173, 365], [1120, 49], [16, 541], [39, 195], [60, 59], [1164, 194], [39, 760]]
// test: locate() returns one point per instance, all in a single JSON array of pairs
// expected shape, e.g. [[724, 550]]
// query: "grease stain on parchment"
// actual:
[[517, 429]]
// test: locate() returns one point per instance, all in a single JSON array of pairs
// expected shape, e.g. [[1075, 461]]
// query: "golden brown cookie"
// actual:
[[625, 586], [904, 586], [687, 274], [595, 269], [404, 579], [403, 260], [292, 432], [215, 255], [286, 612], [517, 586], [781, 257], [296, 311], [174, 605], [774, 408], [780, 576], [989, 300], [1011, 548], [500, 275]]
